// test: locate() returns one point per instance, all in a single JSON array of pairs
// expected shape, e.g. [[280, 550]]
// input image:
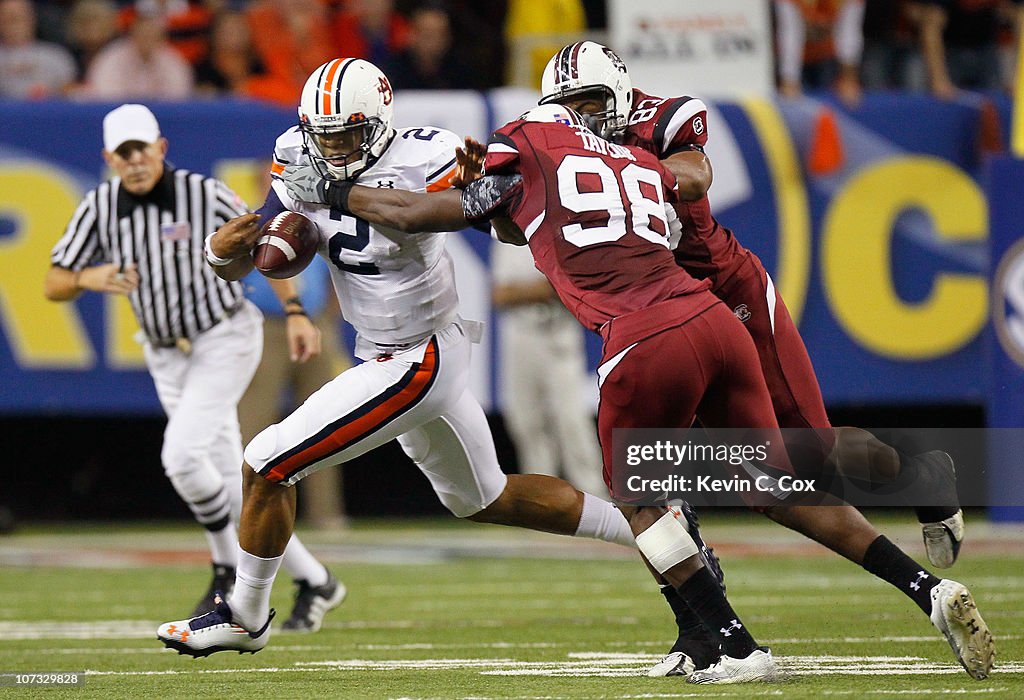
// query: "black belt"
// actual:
[[185, 340]]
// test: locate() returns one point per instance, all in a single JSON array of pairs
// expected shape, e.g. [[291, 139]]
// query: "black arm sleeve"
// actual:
[[490, 196]]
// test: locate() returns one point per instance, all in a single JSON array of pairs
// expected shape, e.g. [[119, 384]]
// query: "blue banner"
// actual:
[[1005, 377], [882, 255]]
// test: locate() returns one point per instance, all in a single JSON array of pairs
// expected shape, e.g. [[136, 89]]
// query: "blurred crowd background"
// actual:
[[177, 49]]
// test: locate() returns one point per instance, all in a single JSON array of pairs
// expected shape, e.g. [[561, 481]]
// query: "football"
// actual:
[[286, 245]]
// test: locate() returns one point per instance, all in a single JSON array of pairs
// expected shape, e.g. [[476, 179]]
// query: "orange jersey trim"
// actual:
[[444, 183]]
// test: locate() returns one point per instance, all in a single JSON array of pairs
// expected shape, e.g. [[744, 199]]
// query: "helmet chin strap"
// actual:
[[370, 158]]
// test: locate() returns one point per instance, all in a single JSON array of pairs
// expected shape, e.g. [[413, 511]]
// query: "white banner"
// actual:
[[694, 47]]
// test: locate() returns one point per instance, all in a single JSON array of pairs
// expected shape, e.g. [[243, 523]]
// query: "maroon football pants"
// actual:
[[787, 368], [706, 366]]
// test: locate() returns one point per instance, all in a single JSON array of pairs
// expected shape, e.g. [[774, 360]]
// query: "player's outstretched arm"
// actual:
[[412, 212], [229, 248], [693, 172], [415, 212], [484, 198]]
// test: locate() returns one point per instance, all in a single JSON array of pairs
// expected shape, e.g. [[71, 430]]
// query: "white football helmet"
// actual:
[[554, 113], [587, 68], [345, 115]]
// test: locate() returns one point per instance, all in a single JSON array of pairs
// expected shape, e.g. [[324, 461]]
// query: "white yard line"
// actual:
[[624, 665], [921, 691], [93, 629], [592, 664]]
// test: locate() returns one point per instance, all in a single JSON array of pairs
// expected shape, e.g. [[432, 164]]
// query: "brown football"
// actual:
[[286, 245]]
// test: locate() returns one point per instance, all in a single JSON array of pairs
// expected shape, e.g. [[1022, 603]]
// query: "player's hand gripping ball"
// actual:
[[286, 245]]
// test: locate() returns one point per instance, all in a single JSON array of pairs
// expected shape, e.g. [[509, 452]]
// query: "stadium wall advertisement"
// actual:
[[722, 48], [874, 223]]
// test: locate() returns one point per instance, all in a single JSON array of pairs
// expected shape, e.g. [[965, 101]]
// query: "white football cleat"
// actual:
[[213, 632], [955, 614], [942, 540], [759, 666], [675, 663]]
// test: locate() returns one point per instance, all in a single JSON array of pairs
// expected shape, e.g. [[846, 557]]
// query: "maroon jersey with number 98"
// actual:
[[598, 220]]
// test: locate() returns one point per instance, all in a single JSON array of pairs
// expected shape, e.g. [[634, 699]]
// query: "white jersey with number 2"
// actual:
[[395, 288]]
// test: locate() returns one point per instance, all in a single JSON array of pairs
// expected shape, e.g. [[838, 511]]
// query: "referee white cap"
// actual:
[[129, 123]]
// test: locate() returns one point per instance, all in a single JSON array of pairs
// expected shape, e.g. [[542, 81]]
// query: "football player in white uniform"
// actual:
[[398, 291]]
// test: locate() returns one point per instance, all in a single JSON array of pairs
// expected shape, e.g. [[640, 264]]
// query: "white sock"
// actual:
[[301, 565], [223, 545], [250, 599], [601, 520]]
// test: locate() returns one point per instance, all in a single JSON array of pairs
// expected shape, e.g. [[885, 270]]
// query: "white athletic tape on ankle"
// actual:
[[666, 543]]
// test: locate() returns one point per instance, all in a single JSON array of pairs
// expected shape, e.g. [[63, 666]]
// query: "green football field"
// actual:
[[443, 609]]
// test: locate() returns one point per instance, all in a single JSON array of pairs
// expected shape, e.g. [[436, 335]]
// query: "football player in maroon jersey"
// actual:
[[592, 222], [593, 80], [599, 222]]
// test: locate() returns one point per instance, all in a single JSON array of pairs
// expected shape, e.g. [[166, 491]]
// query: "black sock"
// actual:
[[888, 562], [694, 640], [705, 597]]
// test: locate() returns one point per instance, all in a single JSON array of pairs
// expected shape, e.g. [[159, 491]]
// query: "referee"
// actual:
[[142, 234]]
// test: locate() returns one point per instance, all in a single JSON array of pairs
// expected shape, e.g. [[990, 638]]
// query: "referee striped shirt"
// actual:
[[163, 234]]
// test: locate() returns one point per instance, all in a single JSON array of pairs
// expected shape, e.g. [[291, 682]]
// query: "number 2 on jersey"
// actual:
[[421, 134], [347, 241], [609, 199]]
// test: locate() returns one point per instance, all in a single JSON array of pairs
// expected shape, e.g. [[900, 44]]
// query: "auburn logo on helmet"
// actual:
[[384, 88]]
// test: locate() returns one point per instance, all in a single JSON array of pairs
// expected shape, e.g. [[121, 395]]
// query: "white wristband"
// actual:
[[213, 258]]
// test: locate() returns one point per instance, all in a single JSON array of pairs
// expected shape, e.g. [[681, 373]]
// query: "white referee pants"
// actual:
[[419, 397], [544, 375], [202, 449]]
